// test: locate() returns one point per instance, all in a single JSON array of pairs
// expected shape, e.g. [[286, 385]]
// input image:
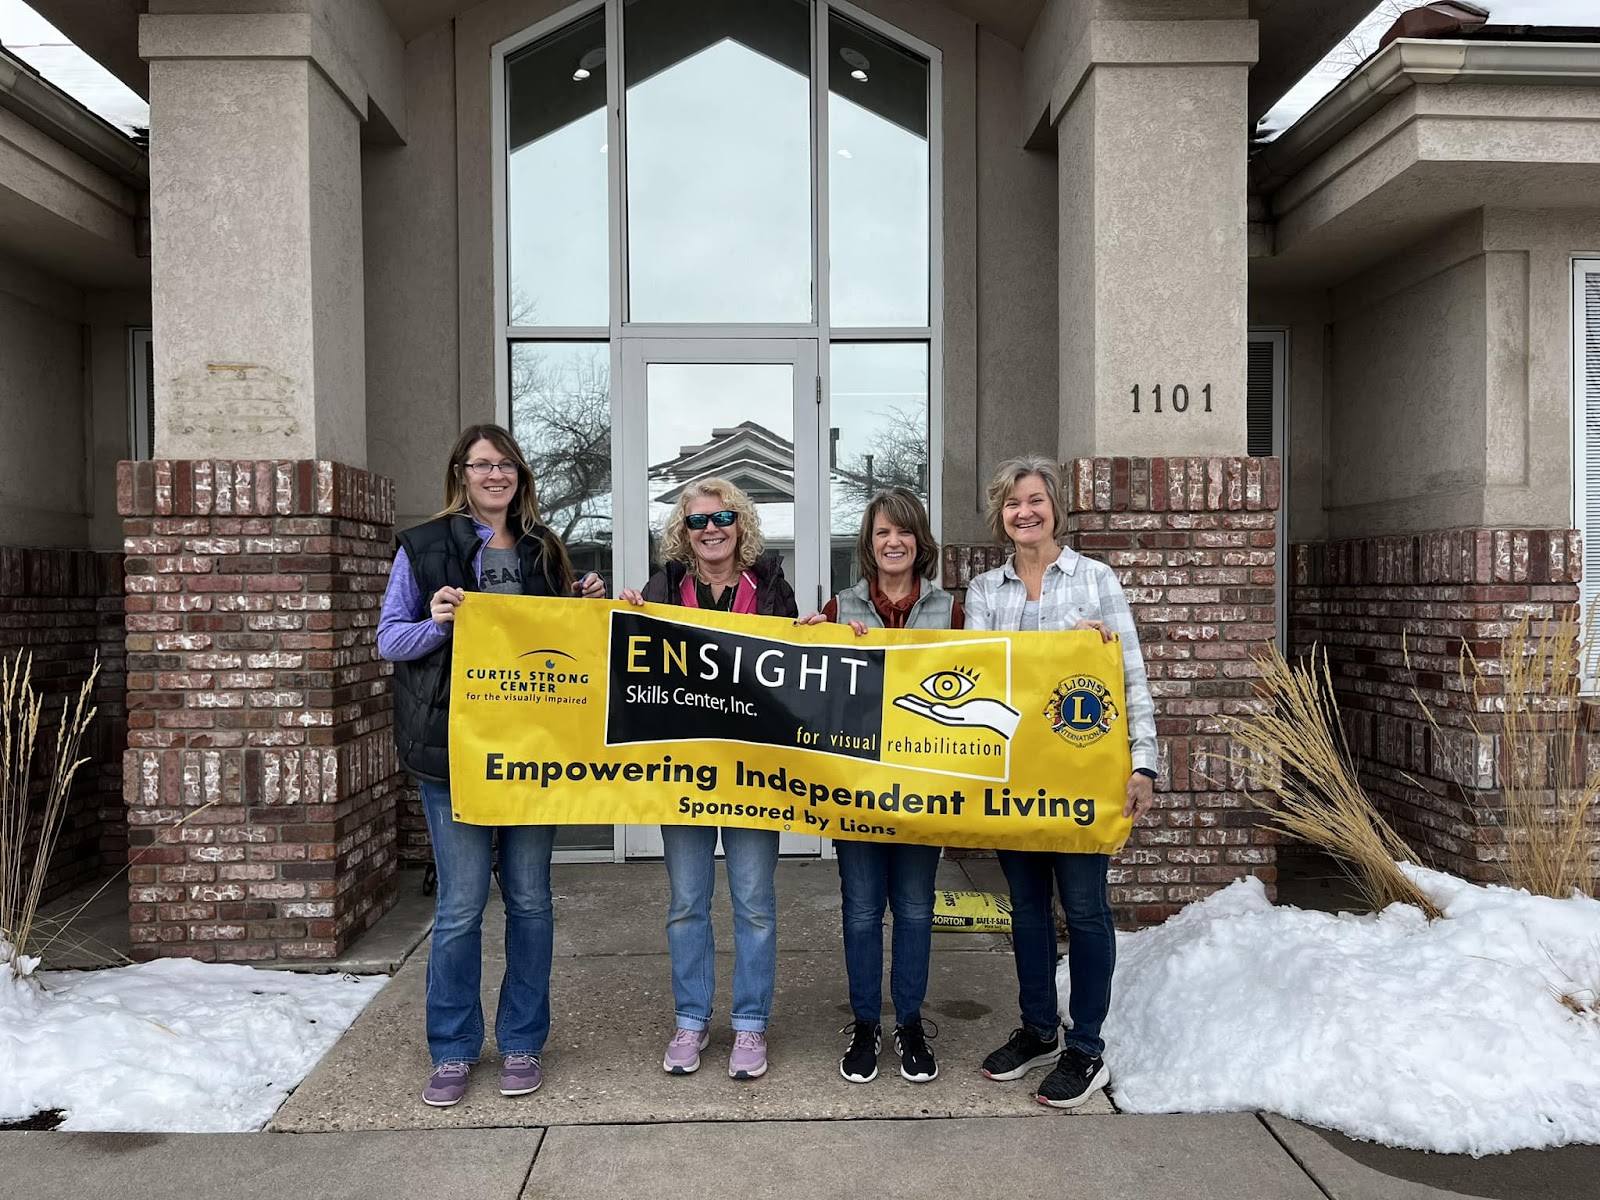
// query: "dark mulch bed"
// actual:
[[48, 1119]]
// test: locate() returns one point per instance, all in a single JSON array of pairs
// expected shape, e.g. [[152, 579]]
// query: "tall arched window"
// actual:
[[716, 229]]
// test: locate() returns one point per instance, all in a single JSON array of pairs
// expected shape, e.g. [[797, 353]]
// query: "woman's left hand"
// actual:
[[1105, 633], [590, 587], [1141, 796]]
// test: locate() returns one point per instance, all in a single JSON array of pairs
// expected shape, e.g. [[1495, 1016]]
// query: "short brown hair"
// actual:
[[901, 507], [1012, 472]]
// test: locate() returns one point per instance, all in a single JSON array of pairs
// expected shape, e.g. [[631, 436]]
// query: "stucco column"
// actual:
[[1152, 140], [255, 204]]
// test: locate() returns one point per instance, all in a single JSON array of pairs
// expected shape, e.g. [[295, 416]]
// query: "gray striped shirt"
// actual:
[[1075, 589]]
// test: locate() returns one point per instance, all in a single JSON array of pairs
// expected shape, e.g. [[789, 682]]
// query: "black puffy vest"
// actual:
[[441, 553]]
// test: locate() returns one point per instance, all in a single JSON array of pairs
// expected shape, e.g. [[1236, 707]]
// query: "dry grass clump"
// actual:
[[24, 855], [1547, 784], [1311, 772]]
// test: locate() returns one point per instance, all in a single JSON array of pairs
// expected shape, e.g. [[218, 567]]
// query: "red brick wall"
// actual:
[[65, 606], [1193, 541], [1367, 601], [253, 591]]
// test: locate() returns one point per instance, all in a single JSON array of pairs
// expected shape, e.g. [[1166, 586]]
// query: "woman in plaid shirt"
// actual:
[[1044, 586]]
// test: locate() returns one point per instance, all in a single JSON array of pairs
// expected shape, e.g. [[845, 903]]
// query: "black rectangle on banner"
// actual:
[[678, 682]]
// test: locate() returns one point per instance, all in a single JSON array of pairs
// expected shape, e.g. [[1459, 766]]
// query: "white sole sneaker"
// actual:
[[1101, 1078], [672, 1068], [1044, 1060]]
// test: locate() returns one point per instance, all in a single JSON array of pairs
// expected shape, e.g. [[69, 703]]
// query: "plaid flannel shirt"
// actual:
[[1075, 589]]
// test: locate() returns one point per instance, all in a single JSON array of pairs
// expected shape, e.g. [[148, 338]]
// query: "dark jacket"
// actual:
[[774, 596], [442, 553]]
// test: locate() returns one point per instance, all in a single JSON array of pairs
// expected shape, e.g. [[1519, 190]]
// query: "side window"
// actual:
[[141, 395]]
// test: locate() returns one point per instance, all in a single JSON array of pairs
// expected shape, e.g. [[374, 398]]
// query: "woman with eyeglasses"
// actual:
[[897, 555], [488, 538], [713, 549]]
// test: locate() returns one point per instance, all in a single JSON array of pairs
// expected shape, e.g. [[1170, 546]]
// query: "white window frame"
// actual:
[[1584, 268], [620, 332]]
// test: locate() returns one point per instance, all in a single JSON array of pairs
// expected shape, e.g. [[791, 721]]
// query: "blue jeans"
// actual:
[[751, 856], [873, 875], [1091, 941], [464, 856]]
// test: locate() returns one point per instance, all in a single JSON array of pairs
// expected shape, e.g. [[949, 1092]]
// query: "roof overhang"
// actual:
[[1423, 132]]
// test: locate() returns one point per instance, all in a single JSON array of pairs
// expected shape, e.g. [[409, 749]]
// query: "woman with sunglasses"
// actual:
[[896, 555], [488, 538], [713, 549]]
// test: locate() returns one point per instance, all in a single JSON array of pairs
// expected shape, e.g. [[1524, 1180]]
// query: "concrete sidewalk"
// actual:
[[610, 1123]]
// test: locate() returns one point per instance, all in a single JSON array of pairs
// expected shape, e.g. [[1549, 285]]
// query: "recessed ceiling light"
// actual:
[[856, 61], [580, 74]]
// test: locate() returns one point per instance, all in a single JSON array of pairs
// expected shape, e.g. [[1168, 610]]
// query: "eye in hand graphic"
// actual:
[[972, 714]]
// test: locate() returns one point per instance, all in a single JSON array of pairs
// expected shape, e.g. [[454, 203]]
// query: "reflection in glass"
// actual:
[[877, 179], [719, 160], [879, 405], [734, 421], [561, 416], [556, 178]]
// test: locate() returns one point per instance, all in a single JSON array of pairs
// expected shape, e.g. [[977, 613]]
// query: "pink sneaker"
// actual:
[[749, 1057], [683, 1051]]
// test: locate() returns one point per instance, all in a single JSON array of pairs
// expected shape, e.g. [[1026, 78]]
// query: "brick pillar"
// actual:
[[253, 590], [1367, 602], [65, 607], [1193, 541]]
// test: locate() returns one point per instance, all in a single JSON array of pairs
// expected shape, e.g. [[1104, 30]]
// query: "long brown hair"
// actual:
[[899, 506], [526, 520]]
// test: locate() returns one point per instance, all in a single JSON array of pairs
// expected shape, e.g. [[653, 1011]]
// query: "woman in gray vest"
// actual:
[[489, 538], [897, 555]]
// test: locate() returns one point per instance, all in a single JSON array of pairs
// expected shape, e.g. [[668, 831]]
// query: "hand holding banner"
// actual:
[[567, 712]]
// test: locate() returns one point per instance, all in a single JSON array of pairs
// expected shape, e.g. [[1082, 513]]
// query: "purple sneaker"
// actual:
[[447, 1084], [683, 1051], [520, 1074], [749, 1057]]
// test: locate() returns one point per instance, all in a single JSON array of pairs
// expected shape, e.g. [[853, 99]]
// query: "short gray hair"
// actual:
[[1006, 477]]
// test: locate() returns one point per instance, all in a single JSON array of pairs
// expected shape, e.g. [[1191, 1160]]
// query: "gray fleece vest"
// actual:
[[931, 611]]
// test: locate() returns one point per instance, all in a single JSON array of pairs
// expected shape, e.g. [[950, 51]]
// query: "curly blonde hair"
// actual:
[[748, 544]]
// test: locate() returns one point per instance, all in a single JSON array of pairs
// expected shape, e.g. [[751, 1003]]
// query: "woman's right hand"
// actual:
[[814, 618], [632, 596], [442, 608]]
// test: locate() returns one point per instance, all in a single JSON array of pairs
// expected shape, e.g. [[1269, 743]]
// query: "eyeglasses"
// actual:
[[720, 519], [488, 468]]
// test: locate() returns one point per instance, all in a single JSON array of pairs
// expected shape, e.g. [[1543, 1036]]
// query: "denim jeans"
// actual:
[[751, 856], [873, 875], [464, 857], [1091, 941]]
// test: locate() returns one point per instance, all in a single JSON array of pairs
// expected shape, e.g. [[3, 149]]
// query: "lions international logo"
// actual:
[[1081, 710]]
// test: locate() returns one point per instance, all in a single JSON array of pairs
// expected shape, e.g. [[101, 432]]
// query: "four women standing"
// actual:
[[489, 537]]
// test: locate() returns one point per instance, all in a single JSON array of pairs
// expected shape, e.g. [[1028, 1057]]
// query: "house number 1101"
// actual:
[[1177, 398]]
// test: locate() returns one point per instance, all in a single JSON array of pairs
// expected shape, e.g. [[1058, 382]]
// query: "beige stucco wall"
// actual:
[[43, 410], [428, 212]]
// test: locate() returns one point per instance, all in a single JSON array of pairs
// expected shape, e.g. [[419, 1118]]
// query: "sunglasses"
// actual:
[[721, 519]]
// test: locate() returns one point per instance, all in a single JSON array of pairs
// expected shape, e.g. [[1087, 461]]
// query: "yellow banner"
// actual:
[[591, 712]]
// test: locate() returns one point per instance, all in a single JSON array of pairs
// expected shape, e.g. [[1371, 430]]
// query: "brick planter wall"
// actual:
[[253, 591], [65, 606], [1358, 599], [1193, 541]]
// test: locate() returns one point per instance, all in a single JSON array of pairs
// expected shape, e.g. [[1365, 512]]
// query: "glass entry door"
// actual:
[[742, 410]]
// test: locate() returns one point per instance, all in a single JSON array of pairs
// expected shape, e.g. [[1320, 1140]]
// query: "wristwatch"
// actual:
[[1147, 773]]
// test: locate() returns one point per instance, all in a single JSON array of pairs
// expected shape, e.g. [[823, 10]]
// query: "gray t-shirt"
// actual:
[[1030, 614], [501, 571]]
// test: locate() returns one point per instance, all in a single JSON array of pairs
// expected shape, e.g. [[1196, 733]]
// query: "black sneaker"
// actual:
[[860, 1062], [911, 1044], [1076, 1077], [1021, 1054]]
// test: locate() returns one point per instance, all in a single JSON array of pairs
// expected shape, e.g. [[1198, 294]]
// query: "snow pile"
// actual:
[[1447, 1036], [172, 1045]]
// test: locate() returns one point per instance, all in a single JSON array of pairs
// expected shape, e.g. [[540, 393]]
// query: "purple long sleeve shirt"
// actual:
[[405, 629]]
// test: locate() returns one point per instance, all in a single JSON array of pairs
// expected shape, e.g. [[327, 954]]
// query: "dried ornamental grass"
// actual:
[[24, 864], [1547, 784], [1300, 741]]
